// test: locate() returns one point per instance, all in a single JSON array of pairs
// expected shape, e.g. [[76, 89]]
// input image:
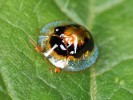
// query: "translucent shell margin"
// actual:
[[65, 64]]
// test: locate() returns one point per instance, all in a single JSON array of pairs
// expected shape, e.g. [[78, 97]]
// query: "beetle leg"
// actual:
[[57, 70], [37, 48]]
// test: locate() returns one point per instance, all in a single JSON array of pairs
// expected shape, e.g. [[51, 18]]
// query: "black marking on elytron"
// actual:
[[81, 49], [58, 41], [59, 30], [89, 43]]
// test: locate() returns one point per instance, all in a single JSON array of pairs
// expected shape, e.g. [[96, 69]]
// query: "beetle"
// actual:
[[67, 46]]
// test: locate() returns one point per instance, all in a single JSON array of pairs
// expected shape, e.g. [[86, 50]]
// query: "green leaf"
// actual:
[[25, 75]]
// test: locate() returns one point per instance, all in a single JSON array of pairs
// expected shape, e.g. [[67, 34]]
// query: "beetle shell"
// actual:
[[68, 46]]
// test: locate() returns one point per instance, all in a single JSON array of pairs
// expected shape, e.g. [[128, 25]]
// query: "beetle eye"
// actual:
[[59, 30]]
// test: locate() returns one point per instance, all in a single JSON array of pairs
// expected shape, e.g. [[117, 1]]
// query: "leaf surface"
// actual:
[[25, 75]]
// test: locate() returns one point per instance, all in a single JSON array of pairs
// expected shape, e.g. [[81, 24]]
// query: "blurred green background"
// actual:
[[24, 75]]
